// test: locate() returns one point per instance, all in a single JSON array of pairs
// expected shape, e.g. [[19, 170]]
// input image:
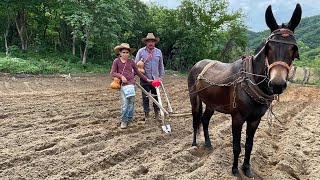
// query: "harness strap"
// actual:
[[282, 41], [204, 70], [252, 90], [281, 63]]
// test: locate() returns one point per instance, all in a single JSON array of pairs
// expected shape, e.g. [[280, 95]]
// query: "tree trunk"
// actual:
[[5, 37], [74, 45], [84, 58], [85, 53], [6, 42], [20, 20]]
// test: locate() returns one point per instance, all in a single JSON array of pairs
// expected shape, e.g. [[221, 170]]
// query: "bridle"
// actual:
[[284, 33]]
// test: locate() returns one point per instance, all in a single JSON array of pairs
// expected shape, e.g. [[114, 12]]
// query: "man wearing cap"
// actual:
[[153, 69]]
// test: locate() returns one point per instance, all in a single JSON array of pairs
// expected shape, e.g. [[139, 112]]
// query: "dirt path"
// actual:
[[68, 128]]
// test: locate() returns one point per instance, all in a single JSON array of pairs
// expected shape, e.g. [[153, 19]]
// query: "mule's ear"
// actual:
[[270, 20], [296, 17]]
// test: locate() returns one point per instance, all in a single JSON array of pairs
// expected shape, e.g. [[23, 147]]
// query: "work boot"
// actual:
[[157, 115], [146, 116]]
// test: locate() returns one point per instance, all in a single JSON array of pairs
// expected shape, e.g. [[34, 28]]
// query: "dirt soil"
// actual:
[[65, 127]]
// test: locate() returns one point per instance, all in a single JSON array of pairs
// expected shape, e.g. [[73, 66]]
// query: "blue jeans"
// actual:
[[127, 107]]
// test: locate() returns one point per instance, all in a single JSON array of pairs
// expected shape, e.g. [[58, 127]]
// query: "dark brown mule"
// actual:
[[244, 88]]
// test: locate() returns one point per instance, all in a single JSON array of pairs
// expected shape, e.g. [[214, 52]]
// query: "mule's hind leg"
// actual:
[[205, 123], [196, 105], [251, 129]]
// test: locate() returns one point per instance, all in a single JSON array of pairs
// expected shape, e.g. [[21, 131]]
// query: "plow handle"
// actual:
[[155, 101], [166, 95]]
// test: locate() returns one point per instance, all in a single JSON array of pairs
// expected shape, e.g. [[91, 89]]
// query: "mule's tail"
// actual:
[[196, 103], [196, 113]]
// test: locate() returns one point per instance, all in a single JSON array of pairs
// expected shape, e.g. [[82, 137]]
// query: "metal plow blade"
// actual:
[[166, 128]]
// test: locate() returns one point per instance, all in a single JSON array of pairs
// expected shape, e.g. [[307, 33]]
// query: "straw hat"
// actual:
[[150, 36], [123, 46]]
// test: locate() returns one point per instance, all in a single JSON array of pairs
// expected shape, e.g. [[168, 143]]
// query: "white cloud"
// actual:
[[282, 10]]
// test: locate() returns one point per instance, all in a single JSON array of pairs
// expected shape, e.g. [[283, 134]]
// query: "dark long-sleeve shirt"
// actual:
[[128, 71]]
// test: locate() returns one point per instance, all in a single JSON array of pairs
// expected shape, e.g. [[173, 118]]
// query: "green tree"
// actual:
[[206, 26], [95, 22]]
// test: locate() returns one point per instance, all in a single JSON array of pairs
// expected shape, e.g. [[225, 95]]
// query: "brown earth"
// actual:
[[68, 128]]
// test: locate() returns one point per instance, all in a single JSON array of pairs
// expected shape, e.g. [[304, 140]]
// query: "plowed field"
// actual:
[[68, 128]]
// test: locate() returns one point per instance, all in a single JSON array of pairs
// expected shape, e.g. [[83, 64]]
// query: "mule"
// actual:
[[245, 88]]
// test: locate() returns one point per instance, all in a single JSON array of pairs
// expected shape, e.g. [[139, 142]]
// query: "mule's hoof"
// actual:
[[209, 147], [236, 173], [247, 172], [194, 144]]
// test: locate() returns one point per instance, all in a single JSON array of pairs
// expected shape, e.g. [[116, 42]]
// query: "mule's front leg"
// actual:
[[205, 123], [251, 129], [236, 133]]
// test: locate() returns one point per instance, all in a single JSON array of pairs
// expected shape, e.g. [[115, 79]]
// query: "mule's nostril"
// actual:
[[277, 87]]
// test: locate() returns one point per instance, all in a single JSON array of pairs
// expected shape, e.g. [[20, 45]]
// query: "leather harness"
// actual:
[[253, 90], [247, 81], [284, 33]]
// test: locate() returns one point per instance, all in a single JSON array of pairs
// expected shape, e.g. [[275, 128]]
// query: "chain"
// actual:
[[258, 75], [214, 83], [219, 83], [229, 83], [234, 96], [232, 83]]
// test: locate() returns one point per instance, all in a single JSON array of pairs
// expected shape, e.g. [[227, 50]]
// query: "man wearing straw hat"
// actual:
[[153, 69]]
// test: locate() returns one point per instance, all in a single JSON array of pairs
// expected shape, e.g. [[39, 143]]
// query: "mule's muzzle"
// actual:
[[278, 79], [277, 87]]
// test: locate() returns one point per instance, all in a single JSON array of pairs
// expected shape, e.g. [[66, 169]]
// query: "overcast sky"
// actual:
[[255, 9]]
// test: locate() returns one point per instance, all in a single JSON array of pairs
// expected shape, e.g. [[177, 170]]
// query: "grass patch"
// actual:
[[30, 63]]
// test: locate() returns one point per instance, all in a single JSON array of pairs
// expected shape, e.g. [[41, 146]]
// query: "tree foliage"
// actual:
[[89, 29]]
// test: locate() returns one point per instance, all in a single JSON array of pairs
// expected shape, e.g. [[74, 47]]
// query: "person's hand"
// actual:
[[149, 80], [124, 79]]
